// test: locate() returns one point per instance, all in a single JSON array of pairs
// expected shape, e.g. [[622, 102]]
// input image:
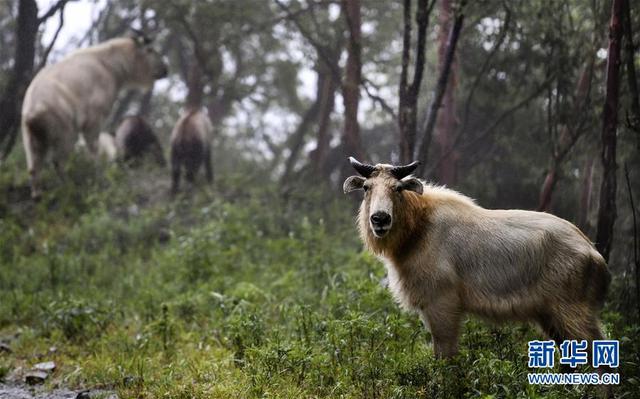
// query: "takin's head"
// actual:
[[149, 63], [385, 187]]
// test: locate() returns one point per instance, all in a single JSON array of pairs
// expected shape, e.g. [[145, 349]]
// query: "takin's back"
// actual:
[[511, 262], [81, 87]]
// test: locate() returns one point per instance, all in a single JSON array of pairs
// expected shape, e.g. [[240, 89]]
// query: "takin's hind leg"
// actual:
[[36, 151], [175, 177], [580, 322]]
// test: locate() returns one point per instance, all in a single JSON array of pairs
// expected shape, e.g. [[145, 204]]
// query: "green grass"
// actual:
[[233, 291]]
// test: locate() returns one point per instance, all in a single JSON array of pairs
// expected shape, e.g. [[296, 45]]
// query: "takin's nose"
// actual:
[[380, 219]]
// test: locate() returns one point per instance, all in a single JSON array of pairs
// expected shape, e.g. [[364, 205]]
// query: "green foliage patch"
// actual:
[[227, 293]]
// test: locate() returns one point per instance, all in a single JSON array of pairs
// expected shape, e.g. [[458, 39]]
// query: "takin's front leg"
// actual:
[[442, 318]]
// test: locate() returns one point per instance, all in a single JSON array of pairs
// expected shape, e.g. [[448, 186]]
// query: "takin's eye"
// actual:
[[366, 187]]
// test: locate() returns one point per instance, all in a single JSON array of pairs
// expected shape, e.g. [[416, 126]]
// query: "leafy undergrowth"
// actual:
[[232, 291]]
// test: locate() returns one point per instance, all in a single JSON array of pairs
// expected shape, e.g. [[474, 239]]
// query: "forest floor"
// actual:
[[235, 290], [23, 391]]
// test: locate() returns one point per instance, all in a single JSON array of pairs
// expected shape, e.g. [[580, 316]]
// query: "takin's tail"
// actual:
[[598, 281], [36, 139]]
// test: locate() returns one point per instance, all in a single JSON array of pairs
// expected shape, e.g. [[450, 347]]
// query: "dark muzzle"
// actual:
[[380, 219]]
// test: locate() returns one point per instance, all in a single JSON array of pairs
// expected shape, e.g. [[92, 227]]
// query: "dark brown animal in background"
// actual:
[[446, 256], [191, 147], [135, 139]]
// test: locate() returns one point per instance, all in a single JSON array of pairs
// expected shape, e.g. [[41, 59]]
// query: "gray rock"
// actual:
[[35, 377], [48, 367], [25, 392]]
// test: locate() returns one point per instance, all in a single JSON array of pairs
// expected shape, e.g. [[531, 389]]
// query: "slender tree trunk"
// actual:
[[548, 186], [443, 79], [195, 87], [403, 87], [11, 102], [585, 195], [607, 209], [326, 105], [446, 125], [634, 119], [351, 85], [567, 136], [408, 93], [296, 140]]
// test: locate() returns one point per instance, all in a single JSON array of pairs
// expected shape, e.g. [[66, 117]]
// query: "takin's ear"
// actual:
[[412, 184], [353, 183]]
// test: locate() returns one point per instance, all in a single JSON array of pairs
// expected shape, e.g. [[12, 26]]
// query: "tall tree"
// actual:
[[327, 94], [438, 93], [13, 92], [568, 135], [409, 92], [352, 80], [607, 209], [446, 124], [27, 27], [630, 50]]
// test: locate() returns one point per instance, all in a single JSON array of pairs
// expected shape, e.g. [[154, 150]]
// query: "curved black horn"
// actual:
[[400, 172], [364, 169]]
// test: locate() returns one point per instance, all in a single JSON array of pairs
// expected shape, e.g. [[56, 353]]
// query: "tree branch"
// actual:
[[489, 130], [476, 82], [59, 5], [45, 56], [377, 99], [321, 50], [423, 14], [636, 261]]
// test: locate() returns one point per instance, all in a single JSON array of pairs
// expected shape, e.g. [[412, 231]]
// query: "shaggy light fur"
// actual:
[[446, 256], [75, 95]]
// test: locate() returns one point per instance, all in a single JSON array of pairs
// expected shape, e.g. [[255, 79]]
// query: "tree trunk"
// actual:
[[351, 85], [568, 135], [296, 140], [446, 125], [195, 87], [441, 85], [607, 209], [547, 188], [634, 119], [585, 195], [326, 104], [11, 102], [408, 93]]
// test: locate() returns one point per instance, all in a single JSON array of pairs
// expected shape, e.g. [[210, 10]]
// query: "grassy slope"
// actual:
[[232, 292]]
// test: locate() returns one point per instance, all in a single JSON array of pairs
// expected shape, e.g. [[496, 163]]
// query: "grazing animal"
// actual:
[[135, 138], [446, 256], [76, 94], [191, 146]]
